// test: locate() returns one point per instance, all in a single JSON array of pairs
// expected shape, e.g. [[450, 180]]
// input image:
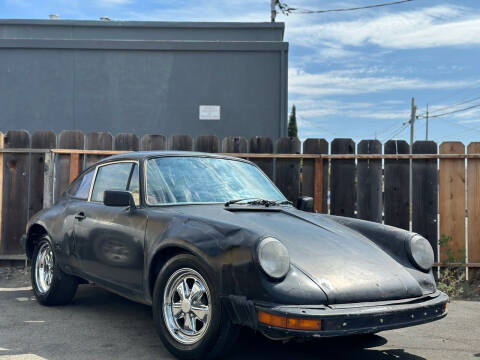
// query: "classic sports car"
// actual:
[[213, 245]]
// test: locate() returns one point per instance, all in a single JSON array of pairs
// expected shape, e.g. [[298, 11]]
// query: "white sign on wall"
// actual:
[[209, 112]]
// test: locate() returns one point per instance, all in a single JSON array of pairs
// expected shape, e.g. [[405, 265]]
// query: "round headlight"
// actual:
[[273, 258], [421, 252]]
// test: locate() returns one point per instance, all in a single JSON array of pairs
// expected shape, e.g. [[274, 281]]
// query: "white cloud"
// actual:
[[419, 28], [361, 81]]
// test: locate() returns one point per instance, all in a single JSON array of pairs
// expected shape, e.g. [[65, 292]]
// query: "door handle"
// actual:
[[80, 216]]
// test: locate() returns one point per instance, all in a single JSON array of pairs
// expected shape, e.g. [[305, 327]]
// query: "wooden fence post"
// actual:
[[369, 182], [397, 178], [452, 201], [48, 179], [67, 139], [150, 142], [342, 179], [207, 143], [234, 144], [15, 192], [262, 145], [75, 167], [425, 193], [315, 173], [181, 143], [40, 140], [288, 170]]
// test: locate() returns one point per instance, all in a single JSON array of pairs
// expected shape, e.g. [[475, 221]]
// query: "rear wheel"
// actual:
[[188, 313], [50, 284]]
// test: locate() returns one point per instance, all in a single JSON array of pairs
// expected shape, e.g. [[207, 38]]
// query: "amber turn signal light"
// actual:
[[273, 320], [289, 322], [304, 324]]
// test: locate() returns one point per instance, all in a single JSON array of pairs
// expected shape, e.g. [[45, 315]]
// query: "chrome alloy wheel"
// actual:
[[187, 306], [44, 268]]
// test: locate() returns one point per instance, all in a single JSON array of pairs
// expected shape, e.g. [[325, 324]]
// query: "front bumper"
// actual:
[[349, 319]]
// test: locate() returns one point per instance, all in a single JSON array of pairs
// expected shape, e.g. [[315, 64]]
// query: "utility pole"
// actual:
[[412, 127], [273, 12], [426, 129]]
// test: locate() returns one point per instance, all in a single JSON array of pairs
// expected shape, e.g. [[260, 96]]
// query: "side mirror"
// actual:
[[305, 203], [118, 198]]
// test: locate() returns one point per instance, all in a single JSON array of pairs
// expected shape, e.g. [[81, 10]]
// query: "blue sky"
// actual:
[[350, 74]]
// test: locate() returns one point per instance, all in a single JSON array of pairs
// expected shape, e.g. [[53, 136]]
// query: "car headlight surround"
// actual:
[[273, 258], [421, 252]]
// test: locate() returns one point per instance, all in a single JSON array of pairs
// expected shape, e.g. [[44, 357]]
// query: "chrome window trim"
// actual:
[[105, 164]]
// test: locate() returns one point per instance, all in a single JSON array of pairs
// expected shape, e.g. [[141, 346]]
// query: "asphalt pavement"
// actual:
[[99, 325]]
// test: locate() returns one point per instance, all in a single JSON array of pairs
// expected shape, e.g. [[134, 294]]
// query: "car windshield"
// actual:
[[176, 180]]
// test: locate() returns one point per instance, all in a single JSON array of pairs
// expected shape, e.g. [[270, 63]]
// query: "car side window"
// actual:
[[134, 185], [81, 186], [111, 177]]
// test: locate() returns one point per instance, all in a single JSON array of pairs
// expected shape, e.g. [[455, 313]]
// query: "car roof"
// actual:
[[141, 155]]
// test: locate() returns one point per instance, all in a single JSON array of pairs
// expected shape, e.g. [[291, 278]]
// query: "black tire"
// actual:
[[220, 335], [62, 288]]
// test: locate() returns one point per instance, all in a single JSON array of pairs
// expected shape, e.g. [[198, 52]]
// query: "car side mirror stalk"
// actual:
[[119, 198], [305, 203]]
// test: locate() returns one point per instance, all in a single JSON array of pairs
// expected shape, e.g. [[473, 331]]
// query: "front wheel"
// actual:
[[187, 311], [50, 284]]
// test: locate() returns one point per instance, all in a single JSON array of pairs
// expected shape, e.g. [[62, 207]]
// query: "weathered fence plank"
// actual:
[[452, 201], [40, 140], [396, 209], [342, 179], [126, 142], [287, 176], [262, 145], [425, 193], [15, 192], [67, 139], [473, 201], [181, 143], [369, 186], [98, 141], [234, 144], [151, 142], [207, 143], [315, 146]]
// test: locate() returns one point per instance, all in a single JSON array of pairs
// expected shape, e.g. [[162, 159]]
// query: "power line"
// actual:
[[451, 112], [454, 95], [454, 105], [286, 10], [396, 132]]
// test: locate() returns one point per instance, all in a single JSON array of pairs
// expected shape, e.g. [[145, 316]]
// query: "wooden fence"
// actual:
[[349, 180]]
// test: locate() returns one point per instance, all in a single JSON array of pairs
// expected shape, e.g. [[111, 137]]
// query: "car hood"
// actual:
[[345, 264]]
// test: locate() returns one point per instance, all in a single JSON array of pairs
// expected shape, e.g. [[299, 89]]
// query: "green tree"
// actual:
[[292, 123]]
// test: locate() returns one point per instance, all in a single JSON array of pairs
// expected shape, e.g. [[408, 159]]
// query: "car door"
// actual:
[[110, 240], [74, 202]]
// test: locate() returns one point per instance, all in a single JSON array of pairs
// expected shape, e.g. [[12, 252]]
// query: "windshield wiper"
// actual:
[[283, 202], [258, 201], [230, 202]]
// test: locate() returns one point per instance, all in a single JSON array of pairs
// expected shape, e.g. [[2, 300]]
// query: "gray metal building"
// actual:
[[227, 79]]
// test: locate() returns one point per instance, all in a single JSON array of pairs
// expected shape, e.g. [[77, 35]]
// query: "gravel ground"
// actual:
[[100, 325]]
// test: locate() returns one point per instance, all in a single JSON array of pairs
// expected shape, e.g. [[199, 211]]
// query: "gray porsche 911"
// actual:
[[213, 245]]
